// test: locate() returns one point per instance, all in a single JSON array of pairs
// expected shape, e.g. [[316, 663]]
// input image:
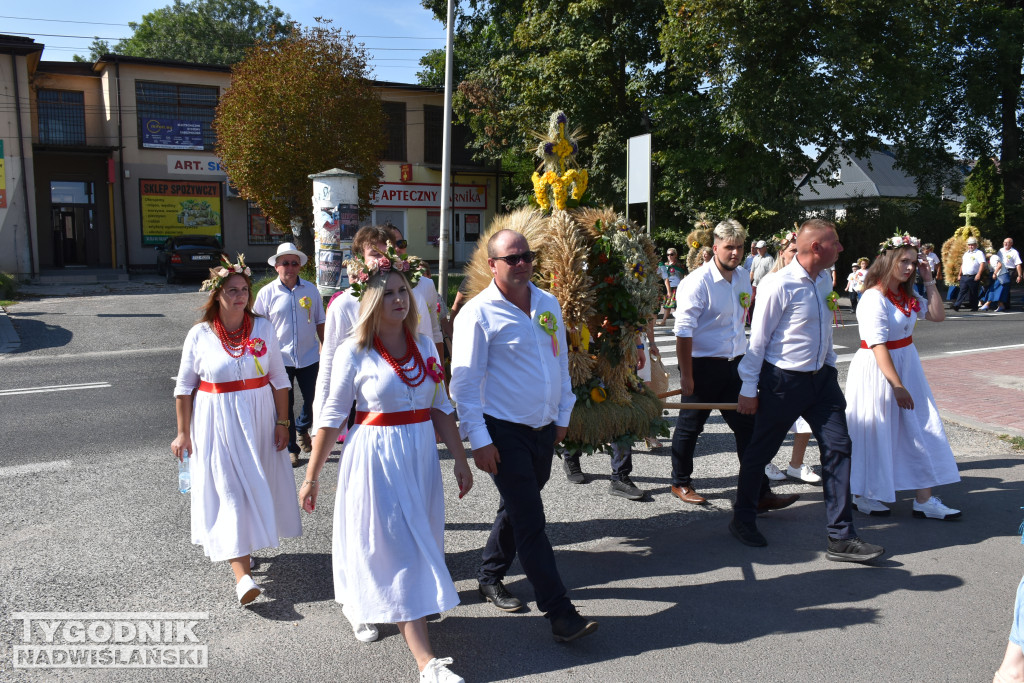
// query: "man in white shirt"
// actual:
[[970, 275], [296, 310], [1012, 267], [710, 341], [789, 371], [343, 314], [510, 381], [760, 266], [670, 272]]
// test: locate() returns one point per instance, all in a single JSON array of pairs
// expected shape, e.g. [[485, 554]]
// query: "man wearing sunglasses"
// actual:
[[296, 310], [510, 380], [426, 297]]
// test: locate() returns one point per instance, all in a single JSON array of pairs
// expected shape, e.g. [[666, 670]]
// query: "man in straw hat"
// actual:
[[296, 310]]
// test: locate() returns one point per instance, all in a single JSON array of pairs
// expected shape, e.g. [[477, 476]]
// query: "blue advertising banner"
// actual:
[[172, 134]]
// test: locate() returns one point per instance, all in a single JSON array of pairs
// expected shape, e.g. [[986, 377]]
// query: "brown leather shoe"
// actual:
[[304, 441], [773, 501], [688, 495]]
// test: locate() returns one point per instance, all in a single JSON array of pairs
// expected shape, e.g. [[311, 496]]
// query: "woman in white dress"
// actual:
[[797, 468], [231, 390], [899, 443], [388, 546]]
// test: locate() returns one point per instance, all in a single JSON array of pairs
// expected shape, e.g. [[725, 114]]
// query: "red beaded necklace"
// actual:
[[415, 375], [234, 343], [903, 303]]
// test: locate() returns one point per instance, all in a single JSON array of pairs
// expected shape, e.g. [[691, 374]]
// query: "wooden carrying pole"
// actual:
[[692, 406]]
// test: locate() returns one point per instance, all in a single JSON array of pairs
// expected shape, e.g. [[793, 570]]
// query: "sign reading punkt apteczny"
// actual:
[[110, 640]]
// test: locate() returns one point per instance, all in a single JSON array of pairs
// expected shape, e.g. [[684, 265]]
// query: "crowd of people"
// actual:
[[370, 371]]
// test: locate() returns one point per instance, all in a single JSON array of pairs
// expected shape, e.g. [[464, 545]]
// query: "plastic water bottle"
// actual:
[[184, 473]]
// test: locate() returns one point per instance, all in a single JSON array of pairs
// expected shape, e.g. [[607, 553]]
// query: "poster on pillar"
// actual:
[[177, 207], [3, 178]]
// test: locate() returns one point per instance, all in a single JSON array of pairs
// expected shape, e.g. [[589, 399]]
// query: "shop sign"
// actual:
[[172, 134], [194, 165], [175, 207], [428, 196]]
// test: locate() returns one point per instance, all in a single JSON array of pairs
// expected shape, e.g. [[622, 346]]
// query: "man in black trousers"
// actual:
[[789, 371]]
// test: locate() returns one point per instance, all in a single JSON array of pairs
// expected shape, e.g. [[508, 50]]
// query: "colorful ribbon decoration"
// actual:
[[306, 303], [744, 299], [548, 324], [258, 347]]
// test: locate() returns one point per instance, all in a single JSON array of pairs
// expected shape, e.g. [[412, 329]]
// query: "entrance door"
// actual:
[[69, 239], [467, 232], [72, 209]]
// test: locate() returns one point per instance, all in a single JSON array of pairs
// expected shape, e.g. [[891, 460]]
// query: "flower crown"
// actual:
[[361, 270], [225, 269], [784, 237], [899, 240]]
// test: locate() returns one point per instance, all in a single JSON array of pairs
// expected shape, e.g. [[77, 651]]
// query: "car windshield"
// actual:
[[197, 241]]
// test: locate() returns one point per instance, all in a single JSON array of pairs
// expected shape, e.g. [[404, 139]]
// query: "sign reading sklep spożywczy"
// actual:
[[110, 640]]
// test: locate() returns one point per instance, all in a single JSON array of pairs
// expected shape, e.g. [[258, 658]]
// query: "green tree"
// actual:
[[200, 31], [984, 192], [295, 107], [97, 49]]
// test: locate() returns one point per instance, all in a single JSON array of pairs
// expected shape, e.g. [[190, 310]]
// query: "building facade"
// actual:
[[102, 162]]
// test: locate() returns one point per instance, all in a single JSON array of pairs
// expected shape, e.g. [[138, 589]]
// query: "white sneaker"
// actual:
[[247, 590], [437, 671], [935, 509], [804, 473], [870, 506], [365, 633], [773, 472]]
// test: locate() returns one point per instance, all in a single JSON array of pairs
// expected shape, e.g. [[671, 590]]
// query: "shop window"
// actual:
[[61, 117], [184, 111], [262, 230], [395, 127], [433, 133]]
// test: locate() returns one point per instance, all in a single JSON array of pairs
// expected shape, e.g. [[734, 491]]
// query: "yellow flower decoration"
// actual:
[[598, 395]]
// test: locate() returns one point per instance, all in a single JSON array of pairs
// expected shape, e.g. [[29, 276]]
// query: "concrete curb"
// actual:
[[9, 339]]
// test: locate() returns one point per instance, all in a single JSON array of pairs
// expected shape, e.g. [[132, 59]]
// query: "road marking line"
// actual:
[[986, 348], [59, 387]]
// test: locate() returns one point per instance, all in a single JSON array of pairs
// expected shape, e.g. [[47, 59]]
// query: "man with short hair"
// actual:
[[296, 310], [1011, 262], [670, 272], [370, 241], [789, 371], [710, 342], [514, 397], [971, 268]]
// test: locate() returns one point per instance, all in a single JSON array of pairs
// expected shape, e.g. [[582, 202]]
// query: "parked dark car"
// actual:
[[188, 255]]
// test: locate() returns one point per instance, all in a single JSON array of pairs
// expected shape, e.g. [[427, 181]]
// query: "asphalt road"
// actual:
[[92, 521]]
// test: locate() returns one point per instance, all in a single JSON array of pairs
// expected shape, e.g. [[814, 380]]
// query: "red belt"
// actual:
[[403, 417], [240, 385], [898, 344]]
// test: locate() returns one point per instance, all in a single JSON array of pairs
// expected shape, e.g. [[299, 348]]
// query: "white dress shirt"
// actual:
[[933, 261], [671, 272], [973, 262], [503, 364], [342, 315], [708, 309], [426, 305], [792, 325], [1010, 258], [295, 326]]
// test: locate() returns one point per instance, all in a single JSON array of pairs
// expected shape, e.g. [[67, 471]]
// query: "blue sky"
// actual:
[[396, 32]]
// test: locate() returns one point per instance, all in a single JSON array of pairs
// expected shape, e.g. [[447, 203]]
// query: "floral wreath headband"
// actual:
[[785, 237], [225, 269], [361, 270], [898, 241]]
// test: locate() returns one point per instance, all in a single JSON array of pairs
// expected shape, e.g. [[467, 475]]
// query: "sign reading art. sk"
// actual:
[[428, 196]]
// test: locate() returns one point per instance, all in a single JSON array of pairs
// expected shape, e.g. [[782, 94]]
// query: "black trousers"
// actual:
[[783, 396], [968, 292], [715, 380], [525, 467]]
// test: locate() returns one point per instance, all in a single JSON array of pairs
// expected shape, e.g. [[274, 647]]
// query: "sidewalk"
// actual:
[[983, 390]]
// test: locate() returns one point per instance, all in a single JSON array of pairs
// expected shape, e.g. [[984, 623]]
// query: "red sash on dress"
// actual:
[[897, 344], [239, 385], [403, 417]]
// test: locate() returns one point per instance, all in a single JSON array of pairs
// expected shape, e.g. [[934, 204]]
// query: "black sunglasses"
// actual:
[[514, 259], [401, 244]]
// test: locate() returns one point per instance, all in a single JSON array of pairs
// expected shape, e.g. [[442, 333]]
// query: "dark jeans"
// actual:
[[783, 396], [968, 292], [307, 385], [621, 461], [714, 381], [519, 526]]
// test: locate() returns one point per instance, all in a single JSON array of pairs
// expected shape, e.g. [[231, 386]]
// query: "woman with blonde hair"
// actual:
[[388, 544], [231, 401], [898, 440]]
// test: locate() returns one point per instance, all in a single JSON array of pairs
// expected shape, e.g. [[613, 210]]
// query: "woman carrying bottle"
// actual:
[[898, 440], [231, 391], [388, 546]]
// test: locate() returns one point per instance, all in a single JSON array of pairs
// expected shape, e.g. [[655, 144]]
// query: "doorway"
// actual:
[[467, 232], [73, 223]]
